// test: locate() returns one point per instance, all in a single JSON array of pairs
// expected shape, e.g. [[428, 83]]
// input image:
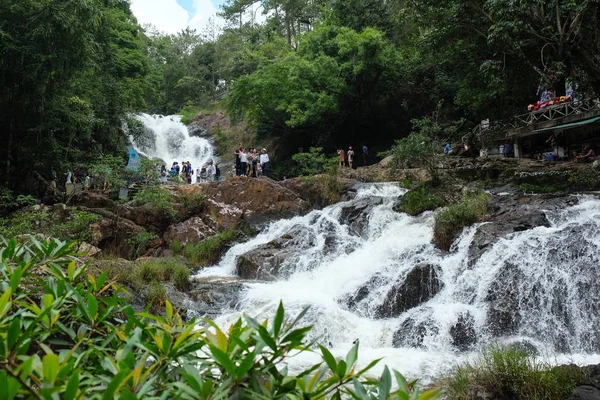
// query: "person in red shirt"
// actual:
[[342, 157]]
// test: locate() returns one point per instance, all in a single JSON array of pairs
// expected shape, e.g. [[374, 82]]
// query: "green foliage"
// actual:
[[176, 247], [422, 147], [10, 202], [108, 173], [193, 203], [75, 226], [587, 178], [533, 188], [512, 373], [140, 274], [314, 162], [156, 295], [418, 200], [70, 72], [473, 207], [140, 241], [188, 113], [210, 250], [90, 343], [156, 197]]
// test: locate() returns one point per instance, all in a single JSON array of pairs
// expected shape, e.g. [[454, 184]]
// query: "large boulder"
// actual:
[[193, 230], [514, 213], [265, 261], [356, 216], [463, 332], [314, 190], [504, 313], [252, 201], [211, 297], [412, 333], [418, 286]]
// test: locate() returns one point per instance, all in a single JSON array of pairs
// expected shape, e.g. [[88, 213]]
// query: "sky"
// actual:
[[171, 16]]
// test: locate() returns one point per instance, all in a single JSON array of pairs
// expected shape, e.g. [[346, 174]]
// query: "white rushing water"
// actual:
[[549, 277], [166, 138]]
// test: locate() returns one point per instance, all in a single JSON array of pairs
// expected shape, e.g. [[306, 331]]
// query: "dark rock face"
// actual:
[[211, 297], [463, 332], [193, 230], [420, 285], [412, 333], [264, 262], [503, 316], [589, 389], [511, 214], [357, 215]]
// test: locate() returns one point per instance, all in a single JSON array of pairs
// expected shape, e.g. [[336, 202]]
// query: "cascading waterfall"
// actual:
[[539, 288], [166, 138]]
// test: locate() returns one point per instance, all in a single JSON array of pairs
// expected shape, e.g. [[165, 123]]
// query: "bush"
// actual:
[[512, 373], [587, 178], [141, 273], [181, 278], [473, 207], [419, 200], [193, 202], [10, 202], [30, 221], [210, 250], [66, 335], [157, 197], [156, 295], [176, 247], [140, 241]]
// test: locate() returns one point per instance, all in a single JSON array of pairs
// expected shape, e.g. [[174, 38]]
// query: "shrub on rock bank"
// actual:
[[64, 334], [419, 200], [473, 207], [512, 373]]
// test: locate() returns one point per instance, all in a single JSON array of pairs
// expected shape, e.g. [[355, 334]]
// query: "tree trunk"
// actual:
[[9, 152]]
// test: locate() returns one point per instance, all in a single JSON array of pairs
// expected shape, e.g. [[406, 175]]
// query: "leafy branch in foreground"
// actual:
[[65, 334]]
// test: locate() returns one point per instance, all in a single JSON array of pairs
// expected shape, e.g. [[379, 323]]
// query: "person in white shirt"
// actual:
[[264, 162], [244, 161]]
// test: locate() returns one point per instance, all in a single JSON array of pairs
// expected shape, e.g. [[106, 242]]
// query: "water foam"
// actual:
[[553, 269], [168, 139]]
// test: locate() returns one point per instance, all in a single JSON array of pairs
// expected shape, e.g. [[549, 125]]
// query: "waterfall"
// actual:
[[166, 138], [539, 288]]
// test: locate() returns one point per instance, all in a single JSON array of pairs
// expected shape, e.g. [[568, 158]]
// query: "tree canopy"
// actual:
[[316, 73]]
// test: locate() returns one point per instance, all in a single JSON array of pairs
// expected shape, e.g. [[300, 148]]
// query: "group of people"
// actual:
[[208, 173], [250, 162], [349, 156]]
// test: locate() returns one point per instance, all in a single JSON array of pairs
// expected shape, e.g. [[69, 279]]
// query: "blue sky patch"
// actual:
[[189, 5]]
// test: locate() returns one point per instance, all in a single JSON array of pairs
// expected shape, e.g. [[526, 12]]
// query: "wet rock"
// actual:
[[463, 332], [585, 392], [354, 301], [212, 297], [193, 230], [417, 287], [504, 314], [356, 216], [262, 263], [513, 213], [412, 333], [315, 192]]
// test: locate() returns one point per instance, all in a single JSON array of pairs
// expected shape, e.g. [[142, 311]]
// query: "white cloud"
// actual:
[[166, 15], [170, 17]]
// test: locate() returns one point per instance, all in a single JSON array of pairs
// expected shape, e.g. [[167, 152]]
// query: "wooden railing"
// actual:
[[546, 114]]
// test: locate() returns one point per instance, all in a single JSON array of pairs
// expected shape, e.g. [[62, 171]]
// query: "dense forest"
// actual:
[[315, 73]]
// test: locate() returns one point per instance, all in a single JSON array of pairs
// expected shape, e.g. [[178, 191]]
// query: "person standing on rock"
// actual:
[[264, 162], [365, 151], [238, 161], [350, 156], [243, 162], [254, 166], [342, 157]]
